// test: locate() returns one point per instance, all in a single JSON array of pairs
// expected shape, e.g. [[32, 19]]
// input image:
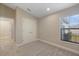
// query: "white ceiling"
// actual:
[[39, 9]]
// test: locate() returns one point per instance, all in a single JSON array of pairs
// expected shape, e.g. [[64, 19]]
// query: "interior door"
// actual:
[[6, 28], [29, 29]]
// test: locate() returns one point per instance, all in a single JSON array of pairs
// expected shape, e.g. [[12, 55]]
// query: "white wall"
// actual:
[[49, 28], [26, 27]]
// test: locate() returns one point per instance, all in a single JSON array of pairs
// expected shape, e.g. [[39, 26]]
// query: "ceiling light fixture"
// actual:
[[47, 9]]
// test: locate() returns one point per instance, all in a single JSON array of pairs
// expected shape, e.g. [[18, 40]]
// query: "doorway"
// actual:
[[6, 32]]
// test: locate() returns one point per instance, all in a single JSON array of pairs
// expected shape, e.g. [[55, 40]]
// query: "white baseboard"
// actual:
[[65, 48]]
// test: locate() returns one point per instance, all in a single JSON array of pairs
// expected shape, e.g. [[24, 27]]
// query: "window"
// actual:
[[70, 28]]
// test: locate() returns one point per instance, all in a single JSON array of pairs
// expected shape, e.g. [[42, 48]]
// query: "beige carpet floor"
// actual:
[[39, 48], [36, 48]]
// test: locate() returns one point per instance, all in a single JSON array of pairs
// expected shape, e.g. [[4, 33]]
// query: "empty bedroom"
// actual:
[[39, 29]]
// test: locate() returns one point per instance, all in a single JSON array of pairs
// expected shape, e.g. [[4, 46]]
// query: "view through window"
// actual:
[[70, 28]]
